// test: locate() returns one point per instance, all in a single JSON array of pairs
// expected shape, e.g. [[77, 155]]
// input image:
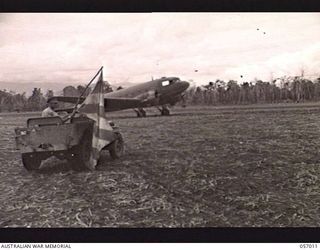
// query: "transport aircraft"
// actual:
[[159, 93]]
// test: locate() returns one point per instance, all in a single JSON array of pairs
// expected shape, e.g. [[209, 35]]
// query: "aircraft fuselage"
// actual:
[[166, 90]]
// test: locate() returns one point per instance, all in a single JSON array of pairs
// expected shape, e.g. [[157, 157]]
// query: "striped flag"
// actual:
[[93, 108]]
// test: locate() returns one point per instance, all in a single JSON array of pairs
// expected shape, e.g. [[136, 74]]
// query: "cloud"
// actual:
[[282, 64], [292, 63], [53, 50]]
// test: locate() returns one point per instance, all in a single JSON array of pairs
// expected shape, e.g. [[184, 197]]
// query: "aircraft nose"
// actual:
[[185, 85]]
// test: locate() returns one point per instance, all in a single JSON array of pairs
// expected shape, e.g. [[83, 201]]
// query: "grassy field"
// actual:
[[201, 167]]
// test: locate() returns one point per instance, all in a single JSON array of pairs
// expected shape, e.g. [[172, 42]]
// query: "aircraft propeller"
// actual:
[[183, 103], [150, 97]]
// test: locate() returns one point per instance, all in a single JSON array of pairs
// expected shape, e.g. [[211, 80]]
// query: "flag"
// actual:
[[93, 108]]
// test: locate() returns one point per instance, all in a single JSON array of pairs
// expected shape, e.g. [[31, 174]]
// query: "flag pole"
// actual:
[[83, 92]]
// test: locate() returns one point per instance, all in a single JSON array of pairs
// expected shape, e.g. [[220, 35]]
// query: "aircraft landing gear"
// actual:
[[164, 110], [140, 112]]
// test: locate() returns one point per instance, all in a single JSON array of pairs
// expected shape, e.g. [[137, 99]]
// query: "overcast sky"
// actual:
[[54, 50]]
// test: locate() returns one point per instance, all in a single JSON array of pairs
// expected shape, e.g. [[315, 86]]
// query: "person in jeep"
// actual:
[[50, 110]]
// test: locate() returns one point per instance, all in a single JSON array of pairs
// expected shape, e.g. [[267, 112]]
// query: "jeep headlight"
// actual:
[[111, 123]]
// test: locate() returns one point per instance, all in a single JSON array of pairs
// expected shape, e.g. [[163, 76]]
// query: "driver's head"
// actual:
[[53, 103]]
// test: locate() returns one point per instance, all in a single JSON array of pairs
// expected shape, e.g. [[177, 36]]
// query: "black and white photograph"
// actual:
[[159, 120]]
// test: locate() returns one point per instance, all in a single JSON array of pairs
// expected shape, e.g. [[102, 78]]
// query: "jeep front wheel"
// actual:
[[82, 153], [116, 148], [31, 161]]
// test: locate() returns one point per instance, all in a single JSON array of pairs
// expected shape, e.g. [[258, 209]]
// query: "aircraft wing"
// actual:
[[119, 103], [68, 99], [110, 103]]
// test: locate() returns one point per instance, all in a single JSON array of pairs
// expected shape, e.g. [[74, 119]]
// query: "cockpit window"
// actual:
[[169, 82], [165, 83]]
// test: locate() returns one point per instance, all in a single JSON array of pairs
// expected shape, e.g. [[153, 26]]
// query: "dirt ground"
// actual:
[[201, 167]]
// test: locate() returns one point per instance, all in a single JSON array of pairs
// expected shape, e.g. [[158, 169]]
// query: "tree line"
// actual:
[[11, 101], [285, 89]]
